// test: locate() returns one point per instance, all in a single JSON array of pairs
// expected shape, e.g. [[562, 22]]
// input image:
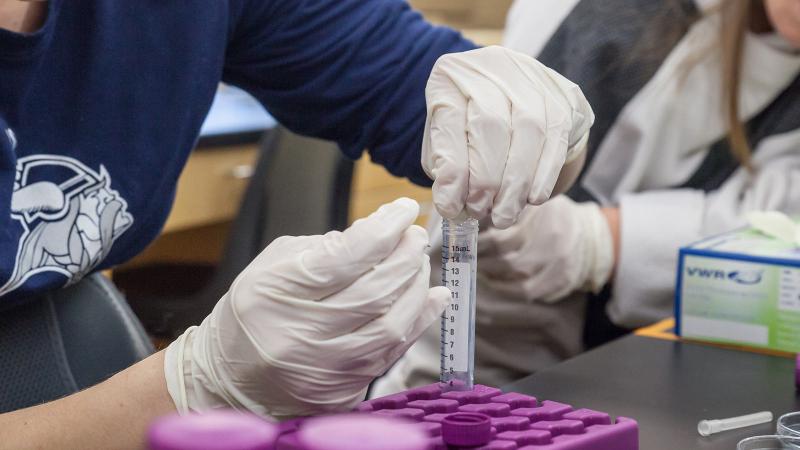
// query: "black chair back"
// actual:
[[65, 341]]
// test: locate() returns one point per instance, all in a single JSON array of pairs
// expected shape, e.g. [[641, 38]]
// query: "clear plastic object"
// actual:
[[789, 424], [769, 443], [709, 427], [459, 264]]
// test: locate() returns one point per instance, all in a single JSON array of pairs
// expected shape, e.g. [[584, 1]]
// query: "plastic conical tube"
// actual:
[[459, 272], [709, 427]]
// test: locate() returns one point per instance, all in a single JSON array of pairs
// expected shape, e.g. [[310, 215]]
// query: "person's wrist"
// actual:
[[612, 218], [190, 378], [598, 253], [174, 367]]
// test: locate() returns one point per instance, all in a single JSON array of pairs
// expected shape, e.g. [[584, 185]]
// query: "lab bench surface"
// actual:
[[669, 386]]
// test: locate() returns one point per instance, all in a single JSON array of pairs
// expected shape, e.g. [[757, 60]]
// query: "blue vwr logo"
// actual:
[[737, 276]]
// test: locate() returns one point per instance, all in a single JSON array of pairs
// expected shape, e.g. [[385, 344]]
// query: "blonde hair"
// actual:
[[735, 16]]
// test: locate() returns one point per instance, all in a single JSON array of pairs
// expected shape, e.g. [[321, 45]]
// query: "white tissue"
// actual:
[[775, 224]]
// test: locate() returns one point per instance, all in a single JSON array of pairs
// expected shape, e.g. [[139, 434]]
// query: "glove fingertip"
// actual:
[[439, 296], [387, 224], [448, 210], [419, 232], [408, 203], [403, 209], [538, 197], [502, 221]]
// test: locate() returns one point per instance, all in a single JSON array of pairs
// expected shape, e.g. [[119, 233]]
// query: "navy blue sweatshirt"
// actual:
[[100, 108]]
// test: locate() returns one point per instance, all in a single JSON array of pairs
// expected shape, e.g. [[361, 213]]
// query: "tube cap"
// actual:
[[361, 432], [217, 430], [466, 429]]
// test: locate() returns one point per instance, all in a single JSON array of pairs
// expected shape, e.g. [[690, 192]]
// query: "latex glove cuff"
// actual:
[[598, 260], [189, 374]]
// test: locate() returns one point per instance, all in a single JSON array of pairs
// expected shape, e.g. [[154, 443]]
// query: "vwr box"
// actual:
[[740, 288]]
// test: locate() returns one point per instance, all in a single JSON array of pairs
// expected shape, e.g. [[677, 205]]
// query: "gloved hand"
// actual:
[[500, 128], [555, 249], [311, 321]]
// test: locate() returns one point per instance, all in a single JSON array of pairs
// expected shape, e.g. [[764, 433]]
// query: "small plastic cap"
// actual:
[[705, 429], [216, 430], [361, 432], [466, 429]]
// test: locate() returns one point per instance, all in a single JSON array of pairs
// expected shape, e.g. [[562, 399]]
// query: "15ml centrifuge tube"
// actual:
[[459, 263]]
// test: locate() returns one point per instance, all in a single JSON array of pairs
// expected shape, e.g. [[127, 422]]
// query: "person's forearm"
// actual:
[[612, 217], [113, 414]]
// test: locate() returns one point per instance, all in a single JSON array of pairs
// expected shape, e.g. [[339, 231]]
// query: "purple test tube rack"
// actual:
[[481, 419]]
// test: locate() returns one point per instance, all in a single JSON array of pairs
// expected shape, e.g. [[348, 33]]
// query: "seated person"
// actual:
[[101, 103], [697, 124]]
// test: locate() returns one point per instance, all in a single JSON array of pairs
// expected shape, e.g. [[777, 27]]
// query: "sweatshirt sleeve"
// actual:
[[655, 224], [350, 71]]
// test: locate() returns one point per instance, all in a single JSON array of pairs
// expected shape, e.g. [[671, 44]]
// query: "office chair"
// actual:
[[299, 186], [65, 341]]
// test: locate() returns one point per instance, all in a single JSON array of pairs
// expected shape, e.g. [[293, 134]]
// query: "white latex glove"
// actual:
[[555, 249], [311, 321], [500, 128]]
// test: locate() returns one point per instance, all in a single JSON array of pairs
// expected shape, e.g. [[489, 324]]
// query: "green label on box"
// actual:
[[740, 302]]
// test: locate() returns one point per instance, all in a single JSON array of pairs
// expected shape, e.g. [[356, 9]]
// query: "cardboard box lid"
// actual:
[[748, 242]]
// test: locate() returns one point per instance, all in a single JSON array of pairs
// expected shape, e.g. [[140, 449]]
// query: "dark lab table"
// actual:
[[669, 386]]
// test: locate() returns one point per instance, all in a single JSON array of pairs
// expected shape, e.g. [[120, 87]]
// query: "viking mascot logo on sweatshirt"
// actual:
[[70, 218]]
